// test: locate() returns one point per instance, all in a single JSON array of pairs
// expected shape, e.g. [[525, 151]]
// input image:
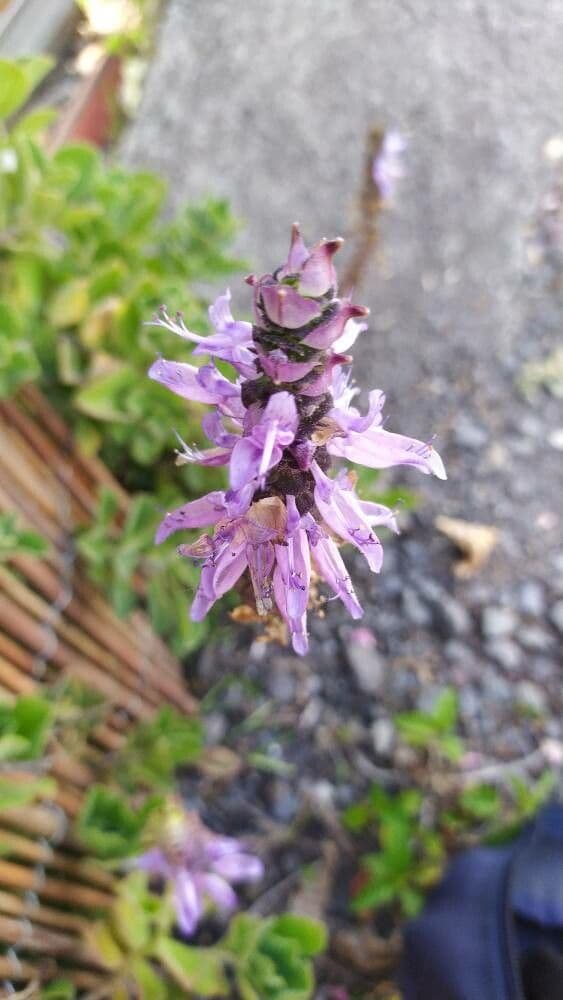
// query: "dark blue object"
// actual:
[[493, 928]]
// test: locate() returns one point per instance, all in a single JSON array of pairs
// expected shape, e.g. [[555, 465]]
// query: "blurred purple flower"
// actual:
[[201, 866], [278, 428], [388, 165]]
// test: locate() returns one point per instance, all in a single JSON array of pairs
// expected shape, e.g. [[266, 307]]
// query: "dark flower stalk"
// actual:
[[278, 429]]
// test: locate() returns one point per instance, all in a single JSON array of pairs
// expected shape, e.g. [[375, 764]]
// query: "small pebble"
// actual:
[[457, 652], [535, 638], [532, 697], [504, 652], [366, 663], [469, 702], [414, 610], [470, 435], [383, 737], [531, 598], [282, 686], [555, 438], [556, 616], [215, 727], [284, 801], [497, 621], [450, 617], [496, 688]]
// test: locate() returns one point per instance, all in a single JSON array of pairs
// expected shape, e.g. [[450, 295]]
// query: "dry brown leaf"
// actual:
[[474, 541], [220, 764], [326, 429], [366, 951], [244, 614]]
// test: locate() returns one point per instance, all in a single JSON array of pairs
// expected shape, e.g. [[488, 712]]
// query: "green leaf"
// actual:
[[15, 793], [18, 363], [13, 87], [69, 304], [356, 817], [105, 398], [196, 969], [309, 935], [451, 747], [35, 122], [411, 901], [156, 748], [270, 765], [445, 709], [109, 827], [433, 729], [151, 986], [76, 166], [416, 728], [243, 934], [372, 896], [272, 956], [14, 540], [24, 728], [60, 989], [35, 69], [101, 940]]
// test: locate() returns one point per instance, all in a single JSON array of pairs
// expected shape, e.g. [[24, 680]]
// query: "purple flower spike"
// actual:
[[326, 334], [280, 369], [388, 167], [286, 308], [297, 256], [256, 453], [200, 385], [314, 268], [278, 428], [318, 274], [201, 866]]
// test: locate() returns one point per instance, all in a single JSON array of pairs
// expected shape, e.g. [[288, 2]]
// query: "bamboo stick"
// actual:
[[105, 736], [89, 610], [170, 664], [89, 649], [53, 456], [21, 971], [73, 636], [14, 679], [16, 906], [56, 890], [18, 469], [162, 681], [97, 472], [23, 505], [68, 798], [14, 845], [31, 937], [35, 819], [22, 626], [25, 971]]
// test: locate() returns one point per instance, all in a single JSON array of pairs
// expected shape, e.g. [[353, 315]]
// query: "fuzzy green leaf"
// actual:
[[13, 87], [195, 969], [109, 827]]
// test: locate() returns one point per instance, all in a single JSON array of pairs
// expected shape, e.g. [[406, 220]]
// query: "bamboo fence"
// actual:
[[54, 625]]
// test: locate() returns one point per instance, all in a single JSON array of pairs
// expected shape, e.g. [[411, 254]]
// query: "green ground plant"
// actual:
[[415, 829], [269, 959], [85, 260]]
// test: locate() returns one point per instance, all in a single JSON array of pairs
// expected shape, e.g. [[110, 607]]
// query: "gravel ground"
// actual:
[[272, 110]]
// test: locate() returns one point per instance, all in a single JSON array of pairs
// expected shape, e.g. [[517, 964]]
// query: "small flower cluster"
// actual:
[[277, 428], [201, 866]]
